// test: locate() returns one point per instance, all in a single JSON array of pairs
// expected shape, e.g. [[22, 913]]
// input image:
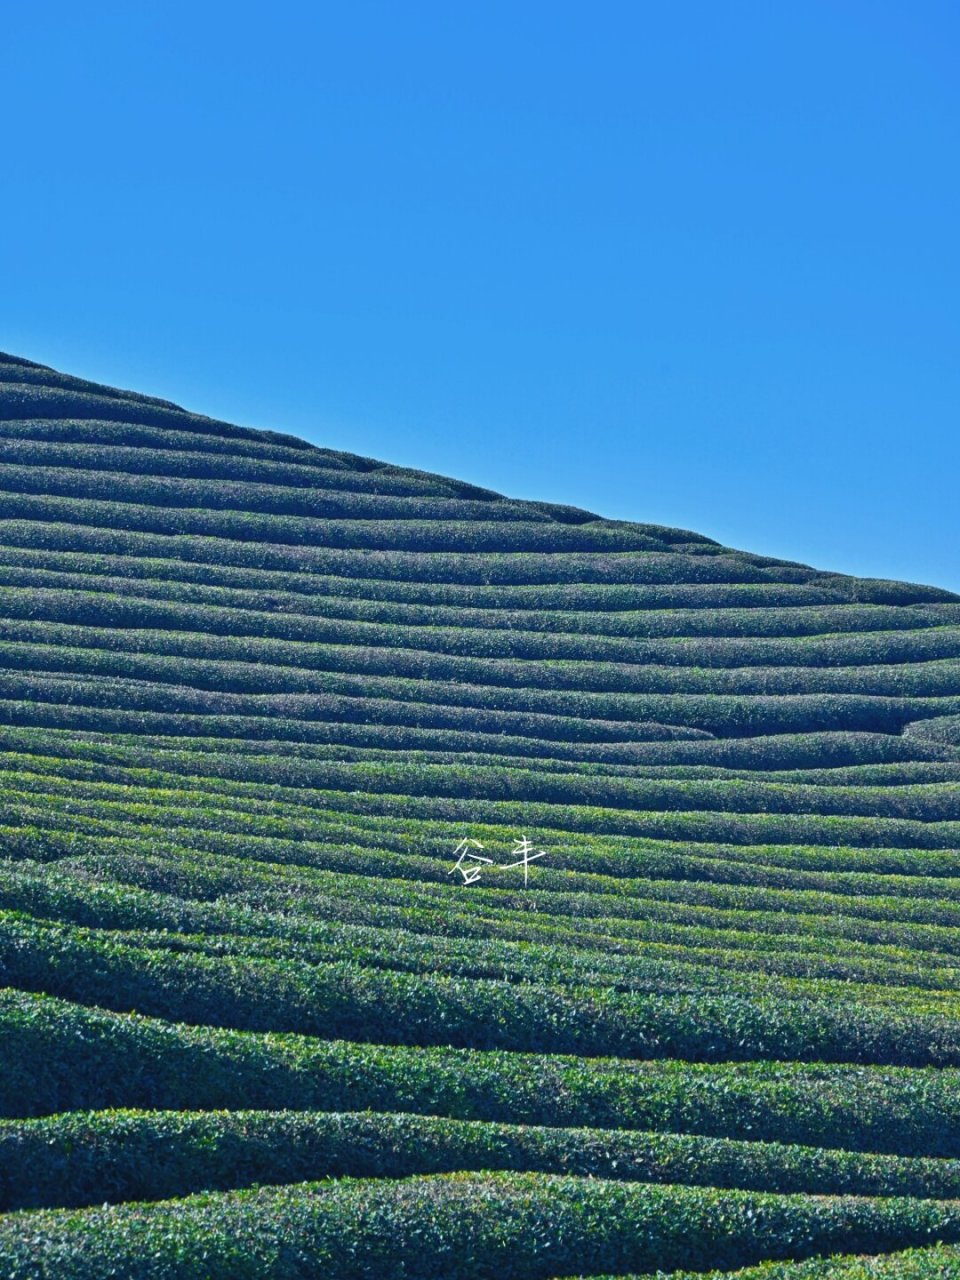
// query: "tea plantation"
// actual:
[[401, 881]]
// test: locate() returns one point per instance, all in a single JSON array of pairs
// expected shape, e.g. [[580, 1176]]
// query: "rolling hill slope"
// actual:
[[255, 1021]]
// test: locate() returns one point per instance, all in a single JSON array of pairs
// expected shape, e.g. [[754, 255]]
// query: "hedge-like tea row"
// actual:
[[800, 635], [384, 794], [414, 534], [284, 620], [456, 1226], [711, 827], [237, 735], [933, 804], [60, 531], [520, 632], [88, 1157], [666, 608], [159, 453], [282, 734], [262, 447], [935, 1262], [217, 828], [405, 938], [263, 760], [601, 691], [560, 973], [231, 496], [99, 883], [349, 882], [87, 756], [57, 1056], [347, 1000], [349, 928], [37, 395], [292, 789], [162, 453]]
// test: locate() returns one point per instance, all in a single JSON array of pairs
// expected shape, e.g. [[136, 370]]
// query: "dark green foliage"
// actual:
[[56, 1056], [87, 1157], [477, 1226], [936, 1262], [717, 610], [940, 729], [351, 1001]]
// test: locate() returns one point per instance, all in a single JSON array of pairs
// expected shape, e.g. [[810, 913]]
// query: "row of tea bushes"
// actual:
[[464, 1226], [828, 604], [85, 1158], [58, 1056]]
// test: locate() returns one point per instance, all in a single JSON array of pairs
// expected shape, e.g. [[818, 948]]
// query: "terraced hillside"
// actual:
[[255, 694]]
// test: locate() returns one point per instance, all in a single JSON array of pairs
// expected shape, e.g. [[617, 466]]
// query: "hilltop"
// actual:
[[255, 693]]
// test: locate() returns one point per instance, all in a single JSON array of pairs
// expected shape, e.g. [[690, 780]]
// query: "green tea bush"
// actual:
[[459, 1226], [46, 400], [936, 1262], [85, 1158], [348, 1000], [248, 495], [103, 448], [57, 1056]]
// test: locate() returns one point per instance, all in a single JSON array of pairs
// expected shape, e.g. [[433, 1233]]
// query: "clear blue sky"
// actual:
[[692, 263]]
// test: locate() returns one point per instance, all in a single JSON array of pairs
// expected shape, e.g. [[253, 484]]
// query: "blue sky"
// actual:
[[690, 263]]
